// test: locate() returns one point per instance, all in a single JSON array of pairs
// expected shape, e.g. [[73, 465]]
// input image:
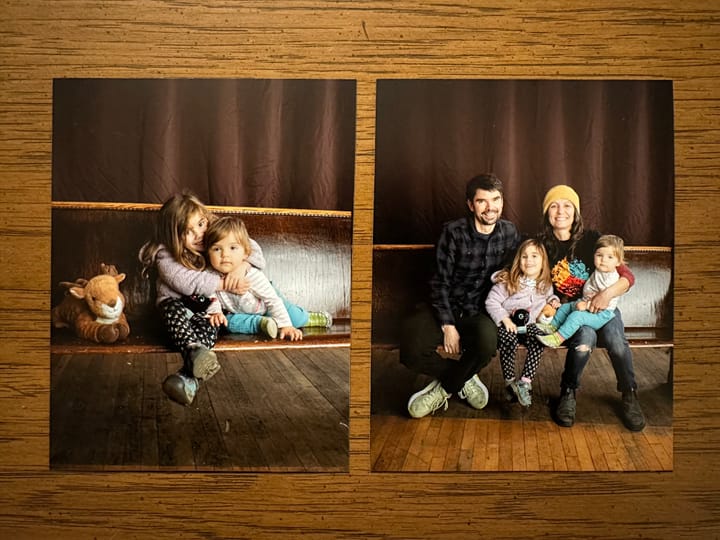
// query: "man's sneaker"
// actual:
[[632, 415], [523, 391], [319, 318], [204, 362], [180, 388], [268, 326], [428, 400], [475, 392], [545, 329], [554, 340], [565, 412]]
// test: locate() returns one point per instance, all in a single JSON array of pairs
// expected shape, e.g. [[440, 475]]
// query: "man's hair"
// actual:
[[486, 182]]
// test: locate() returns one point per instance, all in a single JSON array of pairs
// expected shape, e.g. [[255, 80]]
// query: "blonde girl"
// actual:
[[526, 286], [175, 257]]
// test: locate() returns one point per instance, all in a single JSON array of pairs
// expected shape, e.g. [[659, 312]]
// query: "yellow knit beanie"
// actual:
[[558, 192]]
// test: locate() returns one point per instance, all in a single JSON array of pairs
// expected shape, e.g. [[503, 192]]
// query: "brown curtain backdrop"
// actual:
[[611, 140], [240, 142]]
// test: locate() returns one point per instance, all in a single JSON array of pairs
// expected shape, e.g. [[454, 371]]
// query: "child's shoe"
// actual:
[[554, 340], [545, 328], [319, 318], [269, 327], [180, 388], [522, 389], [509, 393], [204, 362]]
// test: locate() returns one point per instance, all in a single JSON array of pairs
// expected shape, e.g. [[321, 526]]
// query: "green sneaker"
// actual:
[[546, 328], [475, 392], [428, 400], [554, 340], [269, 327], [319, 318]]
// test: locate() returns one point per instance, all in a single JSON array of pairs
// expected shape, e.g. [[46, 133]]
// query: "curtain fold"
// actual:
[[237, 142], [610, 140]]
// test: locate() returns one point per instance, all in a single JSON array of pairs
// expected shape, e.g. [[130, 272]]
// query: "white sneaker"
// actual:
[[475, 392], [428, 400]]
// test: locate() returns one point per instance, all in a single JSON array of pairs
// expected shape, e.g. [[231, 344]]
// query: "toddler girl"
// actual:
[[175, 253], [228, 247], [609, 254], [526, 286]]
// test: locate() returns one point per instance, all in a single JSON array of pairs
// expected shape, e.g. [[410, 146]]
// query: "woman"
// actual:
[[570, 250]]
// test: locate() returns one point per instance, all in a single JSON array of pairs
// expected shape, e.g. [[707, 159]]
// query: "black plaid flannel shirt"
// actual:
[[465, 261]]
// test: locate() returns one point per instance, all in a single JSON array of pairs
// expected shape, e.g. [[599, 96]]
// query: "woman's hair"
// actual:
[[225, 226], [548, 237], [613, 242], [511, 277], [170, 229]]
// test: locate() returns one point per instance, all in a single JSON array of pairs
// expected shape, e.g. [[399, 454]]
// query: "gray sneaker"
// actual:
[[565, 412], [180, 388], [428, 400], [204, 362], [475, 392], [523, 391]]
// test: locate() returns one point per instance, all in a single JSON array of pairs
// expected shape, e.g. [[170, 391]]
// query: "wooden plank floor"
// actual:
[[508, 437], [267, 410]]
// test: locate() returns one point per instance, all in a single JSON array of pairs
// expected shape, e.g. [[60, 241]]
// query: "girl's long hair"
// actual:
[[511, 277], [553, 244], [170, 230]]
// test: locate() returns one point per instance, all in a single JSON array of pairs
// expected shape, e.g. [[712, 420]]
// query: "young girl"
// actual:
[[527, 285], [228, 246], [609, 254], [175, 254]]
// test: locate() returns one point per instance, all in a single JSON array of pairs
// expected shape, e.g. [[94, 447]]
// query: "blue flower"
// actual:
[[579, 270]]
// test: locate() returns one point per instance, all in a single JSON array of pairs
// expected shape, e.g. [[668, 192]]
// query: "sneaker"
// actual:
[[545, 329], [553, 340], [180, 388], [632, 415], [204, 363], [475, 392], [523, 391], [428, 400], [565, 412], [268, 326], [319, 318]]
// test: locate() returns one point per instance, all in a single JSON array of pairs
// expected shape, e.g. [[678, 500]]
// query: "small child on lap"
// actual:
[[609, 254]]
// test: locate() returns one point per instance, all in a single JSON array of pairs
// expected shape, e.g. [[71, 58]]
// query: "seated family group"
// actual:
[[491, 291]]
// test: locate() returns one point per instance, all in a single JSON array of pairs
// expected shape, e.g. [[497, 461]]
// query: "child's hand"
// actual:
[[235, 282], [581, 305], [218, 319], [555, 303], [291, 333], [509, 325]]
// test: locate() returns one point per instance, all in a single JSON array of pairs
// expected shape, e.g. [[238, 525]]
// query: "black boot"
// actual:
[[632, 415], [565, 412]]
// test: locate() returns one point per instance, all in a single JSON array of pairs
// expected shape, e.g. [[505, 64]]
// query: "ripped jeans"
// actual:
[[611, 337]]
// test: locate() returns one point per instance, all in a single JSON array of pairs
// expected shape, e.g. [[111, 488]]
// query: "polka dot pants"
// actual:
[[507, 347], [185, 329]]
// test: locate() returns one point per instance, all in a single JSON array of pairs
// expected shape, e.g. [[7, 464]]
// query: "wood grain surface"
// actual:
[[363, 40]]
